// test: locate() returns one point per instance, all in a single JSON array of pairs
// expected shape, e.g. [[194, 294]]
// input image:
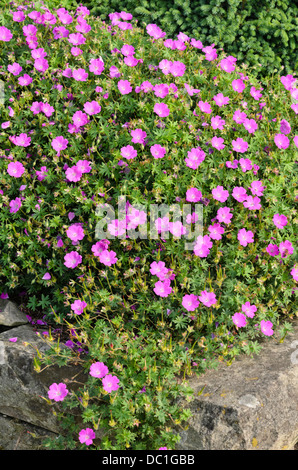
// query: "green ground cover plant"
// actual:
[[97, 113]]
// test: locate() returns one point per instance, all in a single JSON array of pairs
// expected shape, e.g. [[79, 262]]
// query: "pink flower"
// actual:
[[239, 145], [146, 86], [295, 140], [294, 107], [161, 90], [287, 81], [161, 109], [41, 65], [110, 383], [249, 310], [165, 66], [158, 269], [256, 94], [47, 109], [163, 448], [80, 75], [117, 227], [73, 174], [285, 127], [18, 16], [72, 259], [196, 43], [250, 125], [177, 69], [42, 173], [205, 107], [46, 276], [238, 85], [75, 232], [84, 166], [239, 193], [239, 319], [239, 116], [210, 53], [57, 392], [15, 205], [221, 100], [124, 87], [281, 141], [22, 140], [217, 122], [108, 257], [280, 221], [80, 119], [157, 151], [207, 298], [78, 306], [216, 231], [224, 215], [127, 50], [177, 229], [294, 272], [15, 169], [272, 250], [163, 288], [96, 66], [195, 157], [245, 164], [227, 65], [59, 143], [138, 136], [252, 203], [86, 436], [114, 73], [128, 152], [15, 68], [76, 39], [193, 195], [5, 34], [220, 194], [217, 143], [202, 246], [131, 61], [100, 246], [266, 328], [245, 237], [190, 302], [98, 370], [286, 248], [257, 188]]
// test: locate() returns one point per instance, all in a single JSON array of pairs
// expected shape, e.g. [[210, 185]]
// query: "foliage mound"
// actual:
[[97, 111]]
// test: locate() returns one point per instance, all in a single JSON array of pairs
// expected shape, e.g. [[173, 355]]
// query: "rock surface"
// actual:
[[252, 404], [10, 315]]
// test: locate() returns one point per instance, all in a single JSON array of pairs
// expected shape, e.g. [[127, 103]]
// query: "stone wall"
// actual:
[[252, 404]]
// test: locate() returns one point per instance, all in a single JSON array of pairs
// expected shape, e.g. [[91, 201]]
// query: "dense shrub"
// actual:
[[255, 32], [94, 111]]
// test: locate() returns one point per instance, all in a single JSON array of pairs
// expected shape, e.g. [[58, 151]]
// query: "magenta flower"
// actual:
[[217, 122], [285, 127], [224, 215], [86, 436], [272, 250], [57, 392], [80, 75], [5, 34], [295, 140], [252, 203], [249, 310], [193, 195], [131, 61], [18, 16], [161, 90], [73, 174], [41, 174], [239, 145], [76, 39], [294, 272], [250, 125], [196, 43], [84, 166], [177, 229], [47, 109], [287, 81], [78, 306], [41, 64], [124, 87], [76, 51], [117, 227], [59, 143], [75, 232], [177, 69], [108, 257], [92, 107], [163, 288], [80, 119], [202, 246], [256, 94], [128, 152], [15, 205], [127, 50], [195, 157], [46, 276], [138, 136], [210, 53], [98, 370], [221, 100], [205, 107], [162, 224], [266, 328], [30, 30], [280, 221], [216, 231], [281, 141], [22, 140], [100, 246], [15, 169], [25, 80], [239, 193], [245, 237], [239, 319], [15, 68], [96, 66], [190, 302], [217, 143], [158, 269], [220, 194], [110, 383], [161, 109], [238, 85], [227, 65], [239, 116], [207, 298], [286, 248], [157, 151], [72, 259], [114, 73], [257, 188]]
